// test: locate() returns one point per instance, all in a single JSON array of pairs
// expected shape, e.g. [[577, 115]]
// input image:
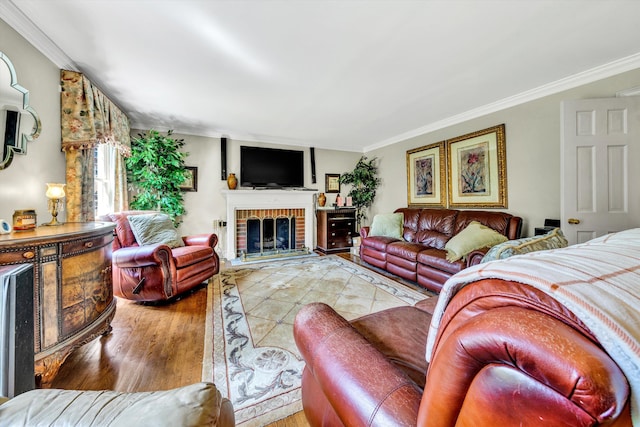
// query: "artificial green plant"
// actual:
[[156, 171], [364, 181]]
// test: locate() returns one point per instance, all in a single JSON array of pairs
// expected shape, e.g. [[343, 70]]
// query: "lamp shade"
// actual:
[[55, 191]]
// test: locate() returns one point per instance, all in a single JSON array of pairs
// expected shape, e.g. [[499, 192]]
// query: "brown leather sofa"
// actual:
[[157, 272], [506, 354], [420, 256]]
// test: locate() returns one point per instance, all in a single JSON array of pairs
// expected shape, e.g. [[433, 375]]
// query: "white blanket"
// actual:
[[599, 281]]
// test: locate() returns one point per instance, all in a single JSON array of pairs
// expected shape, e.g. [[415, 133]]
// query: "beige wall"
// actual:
[[23, 183], [533, 152], [208, 203]]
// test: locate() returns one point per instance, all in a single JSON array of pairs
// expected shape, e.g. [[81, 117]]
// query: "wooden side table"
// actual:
[[336, 228]]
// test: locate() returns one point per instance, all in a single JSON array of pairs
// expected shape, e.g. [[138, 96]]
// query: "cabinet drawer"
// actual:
[[341, 223], [339, 242], [18, 255], [86, 244], [339, 234]]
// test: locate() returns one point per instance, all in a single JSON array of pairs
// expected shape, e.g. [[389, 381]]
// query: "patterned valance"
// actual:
[[89, 118]]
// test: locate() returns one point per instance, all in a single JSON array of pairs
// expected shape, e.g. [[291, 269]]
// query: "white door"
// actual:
[[600, 186]]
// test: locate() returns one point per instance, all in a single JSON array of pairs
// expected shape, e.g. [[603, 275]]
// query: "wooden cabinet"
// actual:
[[336, 228], [73, 291]]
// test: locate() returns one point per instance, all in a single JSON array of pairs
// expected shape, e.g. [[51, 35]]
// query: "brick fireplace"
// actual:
[[262, 208], [260, 231]]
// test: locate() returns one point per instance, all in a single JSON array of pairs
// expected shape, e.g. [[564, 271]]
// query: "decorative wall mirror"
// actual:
[[19, 123]]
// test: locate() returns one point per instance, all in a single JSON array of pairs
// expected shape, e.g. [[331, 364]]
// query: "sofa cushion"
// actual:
[[498, 221], [437, 259], [474, 236], [154, 228], [378, 243], [405, 250], [410, 223], [435, 227], [124, 234], [387, 225], [554, 239], [192, 405]]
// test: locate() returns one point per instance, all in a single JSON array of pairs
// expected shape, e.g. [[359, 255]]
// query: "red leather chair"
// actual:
[[506, 355], [157, 272]]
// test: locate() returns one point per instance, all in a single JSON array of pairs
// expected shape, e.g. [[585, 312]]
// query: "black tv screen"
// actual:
[[271, 167]]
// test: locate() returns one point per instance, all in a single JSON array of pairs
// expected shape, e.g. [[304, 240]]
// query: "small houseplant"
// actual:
[[156, 170], [364, 181]]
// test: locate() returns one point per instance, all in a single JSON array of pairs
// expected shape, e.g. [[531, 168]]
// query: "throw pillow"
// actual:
[[388, 225], [474, 236], [154, 228], [552, 240]]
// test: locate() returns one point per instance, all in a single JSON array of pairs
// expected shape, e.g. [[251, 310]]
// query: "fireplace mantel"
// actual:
[[268, 199]]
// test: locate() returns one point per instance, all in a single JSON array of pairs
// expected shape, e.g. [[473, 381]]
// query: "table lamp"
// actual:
[[55, 193]]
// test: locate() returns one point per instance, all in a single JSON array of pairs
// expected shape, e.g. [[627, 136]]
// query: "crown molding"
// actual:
[[619, 66], [634, 91], [20, 22]]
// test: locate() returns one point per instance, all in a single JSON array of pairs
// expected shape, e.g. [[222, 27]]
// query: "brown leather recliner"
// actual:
[[505, 355], [157, 272]]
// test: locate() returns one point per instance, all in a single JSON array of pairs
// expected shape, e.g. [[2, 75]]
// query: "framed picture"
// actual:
[[191, 179], [426, 176], [331, 182], [476, 163]]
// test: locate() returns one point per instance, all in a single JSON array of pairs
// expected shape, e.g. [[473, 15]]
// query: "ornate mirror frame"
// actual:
[[19, 145]]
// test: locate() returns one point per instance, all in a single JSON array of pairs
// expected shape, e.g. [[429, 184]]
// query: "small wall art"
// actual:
[[332, 183], [191, 179]]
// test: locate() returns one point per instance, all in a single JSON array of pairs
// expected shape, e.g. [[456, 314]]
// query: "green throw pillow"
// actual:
[[475, 236], [551, 240], [388, 225], [154, 228]]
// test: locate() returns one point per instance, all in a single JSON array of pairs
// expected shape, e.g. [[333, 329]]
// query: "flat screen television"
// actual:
[[271, 167]]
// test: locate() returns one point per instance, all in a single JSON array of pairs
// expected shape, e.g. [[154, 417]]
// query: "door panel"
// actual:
[[600, 167]]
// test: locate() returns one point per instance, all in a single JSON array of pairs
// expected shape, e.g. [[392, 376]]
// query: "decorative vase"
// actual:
[[232, 181], [322, 199]]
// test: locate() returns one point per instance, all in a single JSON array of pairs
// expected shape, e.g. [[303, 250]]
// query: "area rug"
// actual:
[[250, 353]]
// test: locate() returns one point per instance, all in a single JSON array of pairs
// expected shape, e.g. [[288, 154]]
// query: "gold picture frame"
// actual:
[[477, 169], [332, 183], [426, 178], [190, 182]]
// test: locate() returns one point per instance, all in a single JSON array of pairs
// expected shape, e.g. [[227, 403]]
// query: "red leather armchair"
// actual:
[[157, 272], [506, 355]]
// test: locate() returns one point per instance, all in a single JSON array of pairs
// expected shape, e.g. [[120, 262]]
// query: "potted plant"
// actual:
[[156, 170], [364, 181]]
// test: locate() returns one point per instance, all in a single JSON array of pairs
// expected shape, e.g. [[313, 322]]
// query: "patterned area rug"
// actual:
[[250, 352]]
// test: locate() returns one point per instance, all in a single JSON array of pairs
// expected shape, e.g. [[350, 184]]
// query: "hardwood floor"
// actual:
[[151, 347]]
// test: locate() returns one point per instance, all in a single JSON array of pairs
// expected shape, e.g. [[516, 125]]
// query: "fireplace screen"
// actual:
[[270, 235], [270, 232]]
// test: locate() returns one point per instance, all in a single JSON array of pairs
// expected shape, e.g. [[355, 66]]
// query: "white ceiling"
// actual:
[[348, 75]]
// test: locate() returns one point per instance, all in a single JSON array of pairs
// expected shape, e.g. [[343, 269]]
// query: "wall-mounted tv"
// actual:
[[271, 167]]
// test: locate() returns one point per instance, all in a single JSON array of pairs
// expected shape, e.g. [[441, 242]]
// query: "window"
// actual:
[[104, 182]]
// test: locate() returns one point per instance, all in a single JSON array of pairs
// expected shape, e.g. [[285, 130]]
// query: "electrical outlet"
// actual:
[[219, 223]]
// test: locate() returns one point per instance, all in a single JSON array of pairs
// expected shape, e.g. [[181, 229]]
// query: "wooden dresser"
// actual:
[[336, 228], [72, 287]]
